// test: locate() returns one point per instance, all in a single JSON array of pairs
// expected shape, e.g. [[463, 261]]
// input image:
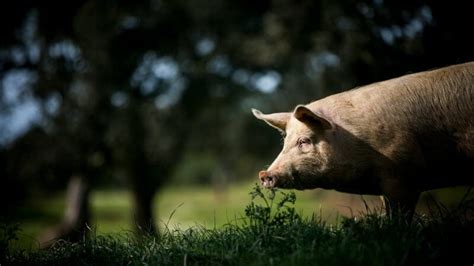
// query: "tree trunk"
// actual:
[[143, 192], [143, 213], [74, 226]]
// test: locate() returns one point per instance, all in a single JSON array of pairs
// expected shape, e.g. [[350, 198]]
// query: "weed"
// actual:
[[271, 214]]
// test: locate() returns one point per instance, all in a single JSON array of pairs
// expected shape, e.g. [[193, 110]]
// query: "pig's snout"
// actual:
[[267, 179]]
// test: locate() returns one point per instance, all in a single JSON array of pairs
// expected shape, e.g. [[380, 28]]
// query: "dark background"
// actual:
[[139, 93]]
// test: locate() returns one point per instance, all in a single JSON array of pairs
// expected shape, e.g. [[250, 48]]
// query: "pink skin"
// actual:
[[308, 159], [301, 155], [299, 163]]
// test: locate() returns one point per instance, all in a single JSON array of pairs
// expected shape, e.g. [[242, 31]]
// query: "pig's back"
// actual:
[[423, 119], [432, 106]]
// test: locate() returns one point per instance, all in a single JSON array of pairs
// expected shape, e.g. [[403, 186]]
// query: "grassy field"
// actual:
[[191, 206], [270, 232]]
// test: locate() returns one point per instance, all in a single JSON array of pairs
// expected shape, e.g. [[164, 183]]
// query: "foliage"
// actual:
[[271, 214], [8, 234], [274, 234]]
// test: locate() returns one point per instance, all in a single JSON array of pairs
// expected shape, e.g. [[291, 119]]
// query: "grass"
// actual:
[[195, 206], [191, 206], [272, 232]]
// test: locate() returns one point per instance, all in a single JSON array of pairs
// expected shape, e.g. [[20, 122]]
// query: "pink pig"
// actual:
[[394, 138]]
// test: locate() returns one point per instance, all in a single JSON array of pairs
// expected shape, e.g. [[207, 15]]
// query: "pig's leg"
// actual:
[[401, 207], [399, 198]]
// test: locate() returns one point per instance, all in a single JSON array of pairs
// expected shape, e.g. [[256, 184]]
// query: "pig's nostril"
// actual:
[[263, 176], [266, 178]]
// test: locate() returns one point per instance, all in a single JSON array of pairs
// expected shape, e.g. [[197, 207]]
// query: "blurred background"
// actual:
[[116, 115]]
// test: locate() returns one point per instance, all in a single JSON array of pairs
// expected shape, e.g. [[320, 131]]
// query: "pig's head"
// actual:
[[313, 156]]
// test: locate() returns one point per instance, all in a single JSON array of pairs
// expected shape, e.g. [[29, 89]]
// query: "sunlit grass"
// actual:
[[271, 232], [188, 206]]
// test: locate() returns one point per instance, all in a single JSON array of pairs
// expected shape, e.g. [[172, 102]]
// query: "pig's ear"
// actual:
[[276, 120], [305, 115]]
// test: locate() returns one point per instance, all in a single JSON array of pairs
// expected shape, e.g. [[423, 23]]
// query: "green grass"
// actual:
[[191, 206], [272, 232]]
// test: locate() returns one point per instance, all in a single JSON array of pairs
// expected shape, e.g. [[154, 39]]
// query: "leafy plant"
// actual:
[[277, 209]]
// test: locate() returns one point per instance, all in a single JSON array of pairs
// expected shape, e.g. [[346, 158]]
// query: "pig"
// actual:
[[395, 138]]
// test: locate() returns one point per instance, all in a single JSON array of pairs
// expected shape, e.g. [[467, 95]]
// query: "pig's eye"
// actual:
[[303, 141]]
